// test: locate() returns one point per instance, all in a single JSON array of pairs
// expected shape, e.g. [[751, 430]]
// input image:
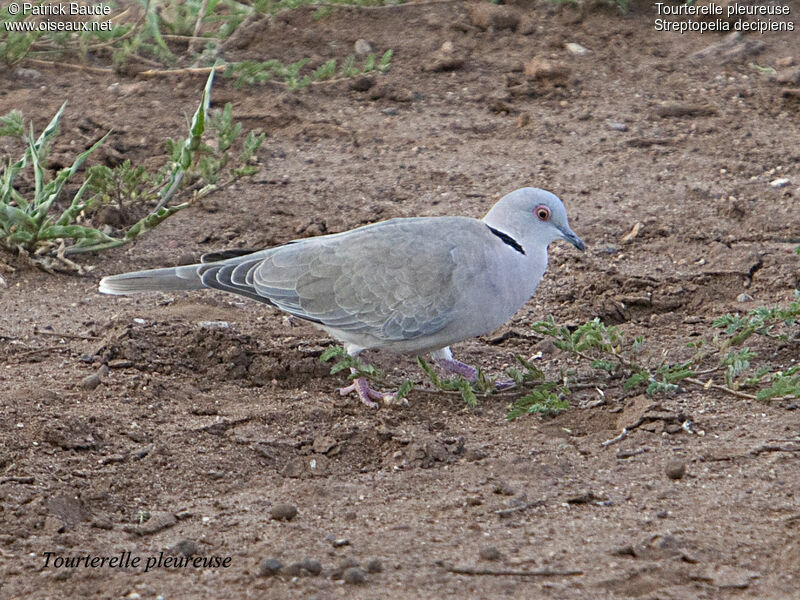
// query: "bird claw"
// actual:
[[506, 384], [366, 394]]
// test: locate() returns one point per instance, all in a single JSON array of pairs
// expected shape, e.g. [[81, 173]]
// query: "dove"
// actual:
[[406, 285]]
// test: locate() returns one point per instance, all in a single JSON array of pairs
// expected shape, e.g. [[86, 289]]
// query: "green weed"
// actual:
[[30, 221]]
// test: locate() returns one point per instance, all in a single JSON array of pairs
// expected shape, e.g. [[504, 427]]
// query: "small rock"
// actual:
[[269, 567], [362, 84], [495, 16], [779, 183], [90, 382], [323, 444], [186, 548], [120, 363], [446, 58], [786, 61], [544, 69], [158, 521], [362, 47], [283, 512], [633, 233], [31, 74], [588, 497], [354, 576], [576, 49], [490, 553], [744, 298], [523, 120], [347, 563], [374, 566], [314, 567], [617, 126], [676, 469], [102, 522], [214, 324]]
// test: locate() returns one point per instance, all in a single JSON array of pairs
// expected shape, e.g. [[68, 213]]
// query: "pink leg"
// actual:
[[458, 368], [365, 393], [469, 373]]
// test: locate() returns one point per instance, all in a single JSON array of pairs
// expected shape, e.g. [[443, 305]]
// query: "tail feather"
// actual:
[[170, 279]]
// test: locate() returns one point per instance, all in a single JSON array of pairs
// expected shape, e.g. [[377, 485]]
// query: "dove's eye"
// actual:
[[542, 212]]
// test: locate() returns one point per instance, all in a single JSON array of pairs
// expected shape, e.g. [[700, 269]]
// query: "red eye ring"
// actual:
[[542, 212]]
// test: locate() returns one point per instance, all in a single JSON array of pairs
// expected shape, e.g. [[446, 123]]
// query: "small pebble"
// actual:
[[186, 547], [90, 382], [779, 183], [374, 566], [362, 47], [676, 469], [618, 126], [312, 566], [744, 298], [490, 553], [576, 49], [269, 567], [354, 576], [283, 512], [120, 363], [31, 74]]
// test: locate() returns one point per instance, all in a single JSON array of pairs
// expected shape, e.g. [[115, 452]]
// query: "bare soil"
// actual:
[[207, 429]]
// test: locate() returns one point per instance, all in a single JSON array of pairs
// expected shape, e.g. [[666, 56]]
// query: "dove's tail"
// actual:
[[154, 280]]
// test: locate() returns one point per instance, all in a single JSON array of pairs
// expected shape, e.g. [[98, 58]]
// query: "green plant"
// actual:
[[358, 369], [457, 383], [30, 223], [16, 42], [609, 350], [254, 72], [271, 7], [546, 397]]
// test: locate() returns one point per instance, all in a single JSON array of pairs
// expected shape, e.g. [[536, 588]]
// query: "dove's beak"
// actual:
[[573, 239]]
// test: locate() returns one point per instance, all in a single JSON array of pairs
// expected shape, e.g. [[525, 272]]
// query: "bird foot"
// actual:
[[366, 394], [469, 373], [506, 384], [457, 368]]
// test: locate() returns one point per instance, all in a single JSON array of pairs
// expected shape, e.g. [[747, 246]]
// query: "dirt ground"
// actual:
[[209, 428]]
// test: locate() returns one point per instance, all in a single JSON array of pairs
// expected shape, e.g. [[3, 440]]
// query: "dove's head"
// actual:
[[532, 217]]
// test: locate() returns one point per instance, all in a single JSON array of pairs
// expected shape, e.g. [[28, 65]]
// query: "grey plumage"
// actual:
[[410, 285]]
